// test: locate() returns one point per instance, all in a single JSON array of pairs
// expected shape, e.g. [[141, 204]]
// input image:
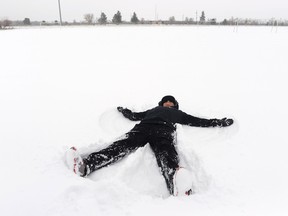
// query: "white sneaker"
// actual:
[[182, 182], [75, 162]]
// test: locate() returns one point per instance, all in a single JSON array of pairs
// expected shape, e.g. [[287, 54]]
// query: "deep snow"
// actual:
[[59, 87]]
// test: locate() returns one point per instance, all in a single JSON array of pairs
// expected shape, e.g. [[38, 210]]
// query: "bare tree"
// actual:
[[89, 18], [5, 23]]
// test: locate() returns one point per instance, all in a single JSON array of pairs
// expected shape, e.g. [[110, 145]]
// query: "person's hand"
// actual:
[[120, 109], [222, 122], [226, 122], [126, 112]]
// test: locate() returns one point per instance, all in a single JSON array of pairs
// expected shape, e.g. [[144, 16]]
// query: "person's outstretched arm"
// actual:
[[202, 122], [134, 116]]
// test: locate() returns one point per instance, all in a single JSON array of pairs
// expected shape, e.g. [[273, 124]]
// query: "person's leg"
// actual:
[[167, 158], [116, 151]]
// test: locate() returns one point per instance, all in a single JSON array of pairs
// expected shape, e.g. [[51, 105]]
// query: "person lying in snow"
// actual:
[[156, 127]]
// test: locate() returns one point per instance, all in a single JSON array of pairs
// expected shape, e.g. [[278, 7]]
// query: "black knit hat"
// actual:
[[171, 99]]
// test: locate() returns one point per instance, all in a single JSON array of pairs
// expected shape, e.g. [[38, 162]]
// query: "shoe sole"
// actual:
[[73, 158]]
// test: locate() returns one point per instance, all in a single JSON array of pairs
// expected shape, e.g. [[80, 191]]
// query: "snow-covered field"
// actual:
[[59, 87]]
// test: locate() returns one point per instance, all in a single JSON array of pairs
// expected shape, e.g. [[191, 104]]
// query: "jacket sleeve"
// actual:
[[133, 116], [197, 122]]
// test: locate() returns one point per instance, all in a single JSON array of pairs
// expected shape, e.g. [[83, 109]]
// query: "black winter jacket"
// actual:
[[167, 116]]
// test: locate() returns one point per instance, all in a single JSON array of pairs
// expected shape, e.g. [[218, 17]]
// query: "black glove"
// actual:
[[126, 112], [120, 109], [227, 122], [221, 122]]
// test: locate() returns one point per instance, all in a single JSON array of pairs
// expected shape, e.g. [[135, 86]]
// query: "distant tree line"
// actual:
[[117, 19], [89, 19]]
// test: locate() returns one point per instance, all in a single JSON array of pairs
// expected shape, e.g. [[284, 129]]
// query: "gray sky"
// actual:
[[75, 9]]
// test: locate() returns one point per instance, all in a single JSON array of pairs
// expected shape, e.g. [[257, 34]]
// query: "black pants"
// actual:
[[161, 139]]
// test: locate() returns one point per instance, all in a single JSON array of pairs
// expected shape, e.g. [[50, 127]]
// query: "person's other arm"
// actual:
[[134, 116], [202, 122]]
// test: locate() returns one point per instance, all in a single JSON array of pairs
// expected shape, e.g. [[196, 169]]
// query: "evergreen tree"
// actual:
[[202, 18], [225, 22], [117, 19], [134, 18], [26, 21], [172, 19], [103, 18]]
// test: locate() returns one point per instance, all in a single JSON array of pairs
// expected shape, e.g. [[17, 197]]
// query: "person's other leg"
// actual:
[[116, 151], [167, 158]]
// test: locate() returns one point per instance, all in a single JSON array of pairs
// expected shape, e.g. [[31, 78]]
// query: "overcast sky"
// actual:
[[75, 9]]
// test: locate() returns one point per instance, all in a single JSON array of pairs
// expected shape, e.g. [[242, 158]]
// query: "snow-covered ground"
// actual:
[[59, 87]]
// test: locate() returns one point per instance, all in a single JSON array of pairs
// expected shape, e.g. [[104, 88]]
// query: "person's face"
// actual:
[[168, 104]]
